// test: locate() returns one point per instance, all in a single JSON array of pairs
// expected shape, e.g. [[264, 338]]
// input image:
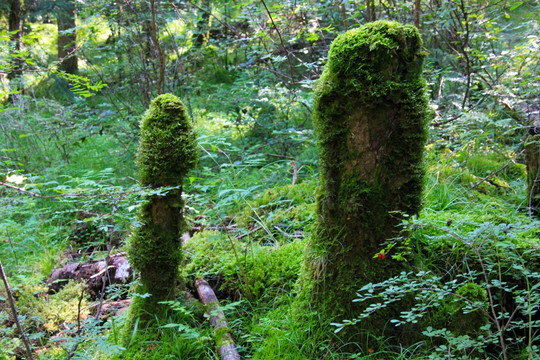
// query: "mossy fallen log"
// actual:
[[224, 341]]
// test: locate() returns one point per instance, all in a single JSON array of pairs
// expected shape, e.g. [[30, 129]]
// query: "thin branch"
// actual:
[[107, 261], [15, 314], [294, 236], [495, 172], [291, 69]]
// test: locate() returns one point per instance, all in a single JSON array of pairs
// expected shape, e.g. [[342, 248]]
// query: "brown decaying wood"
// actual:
[[226, 347], [94, 273]]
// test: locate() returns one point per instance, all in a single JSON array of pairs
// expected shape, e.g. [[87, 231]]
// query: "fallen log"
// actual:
[[94, 273], [224, 341]]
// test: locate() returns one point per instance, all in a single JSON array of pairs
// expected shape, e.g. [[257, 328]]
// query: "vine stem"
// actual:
[[15, 314]]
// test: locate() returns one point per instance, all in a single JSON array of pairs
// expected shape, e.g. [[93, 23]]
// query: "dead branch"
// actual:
[[295, 172], [225, 344], [257, 228], [15, 314], [295, 236]]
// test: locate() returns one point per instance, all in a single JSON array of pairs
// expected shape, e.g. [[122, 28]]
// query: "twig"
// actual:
[[21, 190], [495, 172], [15, 315], [238, 237], [295, 236], [107, 262], [279, 156], [73, 350]]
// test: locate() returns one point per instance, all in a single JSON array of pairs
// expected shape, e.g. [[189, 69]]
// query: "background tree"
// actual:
[[15, 28], [66, 16], [370, 117]]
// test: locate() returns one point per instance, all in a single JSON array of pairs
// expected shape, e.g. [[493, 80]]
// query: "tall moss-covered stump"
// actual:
[[532, 158], [370, 119], [167, 151]]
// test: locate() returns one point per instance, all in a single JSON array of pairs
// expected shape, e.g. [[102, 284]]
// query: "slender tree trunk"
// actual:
[[15, 28], [417, 11], [67, 37], [161, 58], [370, 10], [344, 17]]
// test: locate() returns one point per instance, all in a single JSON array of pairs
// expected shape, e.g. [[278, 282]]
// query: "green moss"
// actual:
[[268, 268], [167, 149], [281, 204], [370, 120]]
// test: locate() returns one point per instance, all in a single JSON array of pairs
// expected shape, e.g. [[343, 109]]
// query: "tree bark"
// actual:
[[67, 37], [225, 343]]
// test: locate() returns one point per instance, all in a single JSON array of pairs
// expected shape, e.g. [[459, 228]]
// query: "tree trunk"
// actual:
[[371, 116], [417, 11], [15, 27], [67, 37]]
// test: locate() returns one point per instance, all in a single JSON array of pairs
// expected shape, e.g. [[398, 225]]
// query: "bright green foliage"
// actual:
[[371, 114], [167, 151]]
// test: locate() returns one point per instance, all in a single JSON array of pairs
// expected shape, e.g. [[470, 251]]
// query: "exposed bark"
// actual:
[[225, 343], [94, 273], [67, 37]]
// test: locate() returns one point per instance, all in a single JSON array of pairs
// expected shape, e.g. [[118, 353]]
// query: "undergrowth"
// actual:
[[249, 227]]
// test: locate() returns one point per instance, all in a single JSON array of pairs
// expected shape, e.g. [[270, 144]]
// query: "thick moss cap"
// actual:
[[375, 58], [167, 149]]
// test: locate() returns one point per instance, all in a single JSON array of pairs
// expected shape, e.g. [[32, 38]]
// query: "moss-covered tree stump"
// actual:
[[370, 119], [167, 151]]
